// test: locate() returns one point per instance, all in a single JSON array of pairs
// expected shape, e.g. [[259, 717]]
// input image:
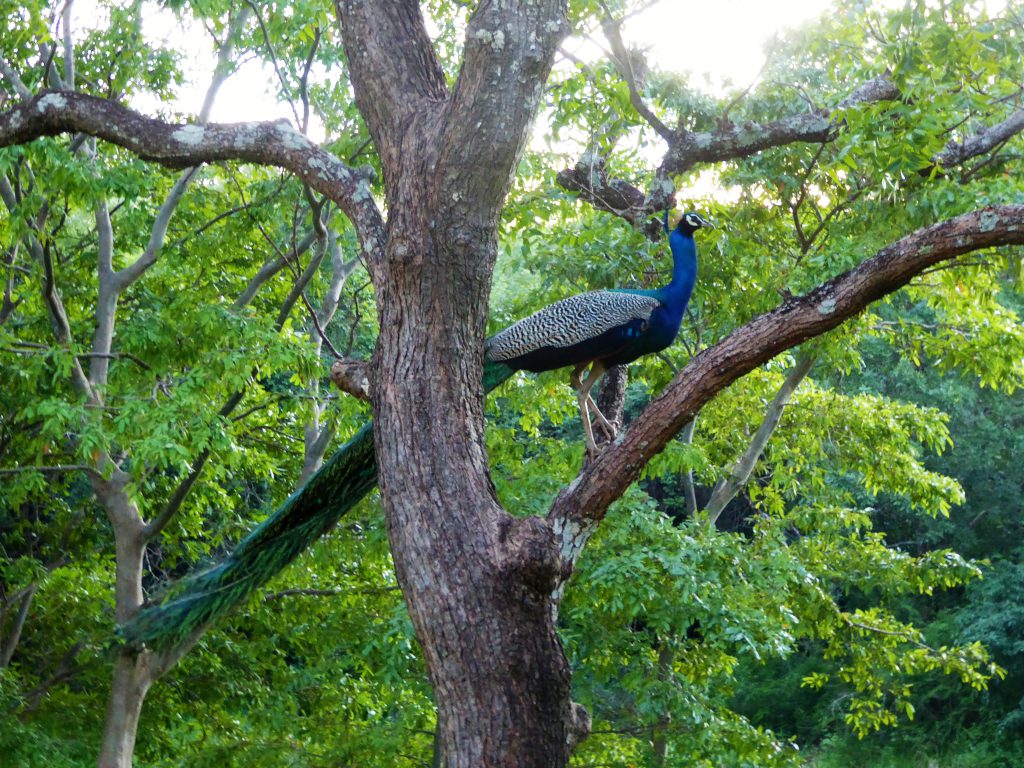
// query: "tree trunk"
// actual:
[[134, 671], [132, 678], [477, 581]]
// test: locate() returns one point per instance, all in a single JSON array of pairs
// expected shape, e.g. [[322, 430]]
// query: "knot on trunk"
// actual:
[[530, 555], [579, 726], [352, 376]]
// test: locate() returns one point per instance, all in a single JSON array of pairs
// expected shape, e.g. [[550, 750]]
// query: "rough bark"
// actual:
[[476, 580], [186, 145], [982, 142]]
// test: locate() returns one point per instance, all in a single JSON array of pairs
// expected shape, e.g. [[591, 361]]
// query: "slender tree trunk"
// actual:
[[132, 677], [134, 671], [741, 471]]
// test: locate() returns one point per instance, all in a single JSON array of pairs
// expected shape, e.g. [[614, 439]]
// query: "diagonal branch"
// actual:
[[9, 643], [731, 140], [741, 471], [186, 145], [980, 143], [580, 506], [623, 60]]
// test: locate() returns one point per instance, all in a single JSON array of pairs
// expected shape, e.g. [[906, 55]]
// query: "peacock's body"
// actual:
[[601, 329]]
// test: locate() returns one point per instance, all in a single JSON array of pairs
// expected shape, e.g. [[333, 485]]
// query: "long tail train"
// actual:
[[200, 599]]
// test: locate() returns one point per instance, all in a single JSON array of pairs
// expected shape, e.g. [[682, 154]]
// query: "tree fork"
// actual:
[[476, 581]]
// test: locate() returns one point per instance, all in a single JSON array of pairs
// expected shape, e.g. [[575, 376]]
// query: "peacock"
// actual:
[[601, 329], [194, 603]]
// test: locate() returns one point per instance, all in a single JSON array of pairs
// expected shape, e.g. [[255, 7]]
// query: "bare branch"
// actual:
[[584, 503], [300, 284], [61, 327], [271, 267], [315, 320], [689, 488], [624, 61], [118, 356], [106, 300], [16, 82], [69, 47], [273, 60]]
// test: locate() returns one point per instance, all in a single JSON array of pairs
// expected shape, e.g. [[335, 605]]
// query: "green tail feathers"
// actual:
[[202, 598]]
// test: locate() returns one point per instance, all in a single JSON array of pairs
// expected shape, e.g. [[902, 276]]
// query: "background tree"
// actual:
[[158, 418]]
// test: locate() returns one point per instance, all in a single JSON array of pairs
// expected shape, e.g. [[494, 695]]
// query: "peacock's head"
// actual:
[[691, 222]]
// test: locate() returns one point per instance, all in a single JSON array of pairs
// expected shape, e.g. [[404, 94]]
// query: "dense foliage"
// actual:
[[858, 598]]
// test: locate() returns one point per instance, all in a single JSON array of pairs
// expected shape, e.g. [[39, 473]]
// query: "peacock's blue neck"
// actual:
[[684, 269]]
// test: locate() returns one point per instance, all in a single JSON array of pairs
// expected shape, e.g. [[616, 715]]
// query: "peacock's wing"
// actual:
[[570, 322]]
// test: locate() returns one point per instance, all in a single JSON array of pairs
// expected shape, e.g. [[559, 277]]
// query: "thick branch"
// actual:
[[728, 487], [185, 145], [982, 142], [590, 180], [395, 72], [735, 140], [793, 322], [729, 141], [506, 59]]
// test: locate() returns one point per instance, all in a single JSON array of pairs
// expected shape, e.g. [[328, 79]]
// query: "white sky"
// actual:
[[724, 39]]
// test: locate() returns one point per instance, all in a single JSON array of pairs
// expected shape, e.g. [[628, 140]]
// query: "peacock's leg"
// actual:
[[583, 396], [606, 425], [596, 371]]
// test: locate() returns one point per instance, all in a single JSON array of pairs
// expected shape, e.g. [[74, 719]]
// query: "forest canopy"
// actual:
[[804, 546]]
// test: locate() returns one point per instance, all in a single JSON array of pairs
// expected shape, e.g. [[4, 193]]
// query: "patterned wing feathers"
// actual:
[[568, 322]]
